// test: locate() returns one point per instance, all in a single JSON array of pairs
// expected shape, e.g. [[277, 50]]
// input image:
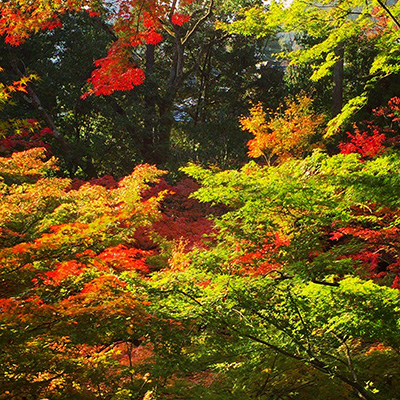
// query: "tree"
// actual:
[[75, 257], [63, 300], [133, 24], [208, 99], [108, 288], [333, 26], [288, 133], [99, 129], [296, 284]]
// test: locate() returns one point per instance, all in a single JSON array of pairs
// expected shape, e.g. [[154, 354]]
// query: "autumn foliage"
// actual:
[[284, 133], [376, 136], [69, 253], [61, 260], [133, 22], [363, 143], [275, 281], [109, 286]]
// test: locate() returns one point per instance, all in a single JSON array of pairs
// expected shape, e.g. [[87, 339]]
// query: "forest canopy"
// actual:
[[199, 200]]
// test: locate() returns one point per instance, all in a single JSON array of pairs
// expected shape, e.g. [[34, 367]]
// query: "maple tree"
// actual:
[[298, 285], [286, 133], [6, 93], [62, 295], [77, 319], [134, 26], [119, 288], [302, 254], [170, 115], [377, 135], [330, 28]]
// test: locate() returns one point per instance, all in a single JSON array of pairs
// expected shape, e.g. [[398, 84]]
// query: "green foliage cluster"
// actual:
[[315, 321], [319, 29]]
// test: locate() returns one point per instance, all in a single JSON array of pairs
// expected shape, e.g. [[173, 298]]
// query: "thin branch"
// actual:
[[318, 282], [190, 297], [262, 388], [348, 357], [303, 323], [394, 19], [48, 119], [198, 22]]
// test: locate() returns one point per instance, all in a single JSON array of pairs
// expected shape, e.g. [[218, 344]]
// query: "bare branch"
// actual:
[[198, 22], [394, 19]]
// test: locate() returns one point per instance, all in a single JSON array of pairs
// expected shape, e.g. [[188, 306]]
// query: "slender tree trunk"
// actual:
[[159, 117], [86, 166], [150, 117], [338, 76], [159, 109]]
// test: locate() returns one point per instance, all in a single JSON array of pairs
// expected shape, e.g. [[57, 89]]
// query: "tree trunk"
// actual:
[[86, 166], [338, 76], [150, 118], [159, 117]]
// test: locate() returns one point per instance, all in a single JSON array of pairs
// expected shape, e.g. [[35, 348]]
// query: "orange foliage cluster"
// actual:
[[67, 249], [380, 25], [20, 18], [284, 134], [26, 166], [17, 86], [61, 272]]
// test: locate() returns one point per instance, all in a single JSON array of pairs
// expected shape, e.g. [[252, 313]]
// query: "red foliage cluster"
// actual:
[[29, 137], [378, 135], [375, 249], [52, 24], [181, 216], [115, 72], [368, 145], [121, 258], [106, 181], [261, 259], [180, 19], [135, 23], [392, 110]]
